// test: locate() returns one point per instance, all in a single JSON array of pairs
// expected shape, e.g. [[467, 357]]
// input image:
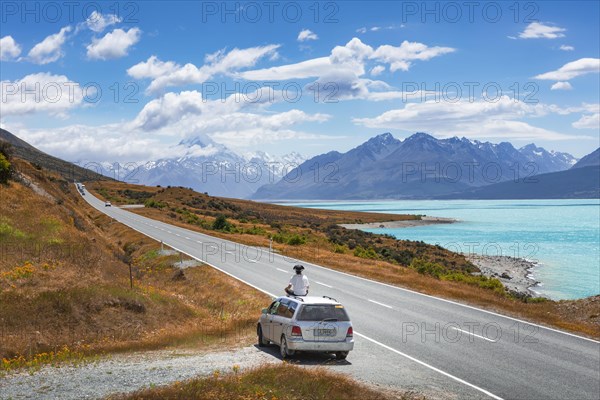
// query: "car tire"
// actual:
[[341, 355], [262, 342], [283, 348]]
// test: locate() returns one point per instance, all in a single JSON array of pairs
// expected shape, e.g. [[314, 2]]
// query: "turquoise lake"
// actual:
[[563, 236]]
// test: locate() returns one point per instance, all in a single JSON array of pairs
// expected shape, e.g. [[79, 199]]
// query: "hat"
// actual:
[[298, 267]]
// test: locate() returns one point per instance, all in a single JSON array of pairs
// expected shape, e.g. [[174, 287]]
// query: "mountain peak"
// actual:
[[420, 136], [198, 140], [383, 139]]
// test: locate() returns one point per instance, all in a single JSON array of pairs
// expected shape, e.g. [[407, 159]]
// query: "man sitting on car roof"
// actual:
[[298, 285]]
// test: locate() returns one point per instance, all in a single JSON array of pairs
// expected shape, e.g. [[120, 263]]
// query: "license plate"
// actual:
[[324, 332]]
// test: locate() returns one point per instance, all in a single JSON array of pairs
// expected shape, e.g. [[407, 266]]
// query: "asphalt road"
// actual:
[[407, 339]]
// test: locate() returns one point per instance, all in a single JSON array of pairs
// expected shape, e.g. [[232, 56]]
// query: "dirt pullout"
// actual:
[[425, 220], [126, 373]]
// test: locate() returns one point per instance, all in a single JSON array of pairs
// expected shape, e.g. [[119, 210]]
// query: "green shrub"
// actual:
[[221, 224], [365, 253], [5, 169]]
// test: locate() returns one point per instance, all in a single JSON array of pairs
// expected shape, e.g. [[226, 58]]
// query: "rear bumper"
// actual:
[[303, 345]]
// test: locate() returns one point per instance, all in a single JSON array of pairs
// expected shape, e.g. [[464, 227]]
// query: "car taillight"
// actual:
[[296, 331], [349, 333]]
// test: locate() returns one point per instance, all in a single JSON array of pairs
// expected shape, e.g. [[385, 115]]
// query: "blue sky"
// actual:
[[124, 81]]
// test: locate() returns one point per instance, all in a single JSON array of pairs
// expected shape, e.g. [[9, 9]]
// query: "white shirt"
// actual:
[[299, 284]]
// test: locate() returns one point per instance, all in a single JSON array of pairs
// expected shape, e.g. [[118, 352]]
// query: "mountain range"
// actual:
[[420, 166]]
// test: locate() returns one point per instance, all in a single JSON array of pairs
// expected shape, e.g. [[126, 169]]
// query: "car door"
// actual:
[[280, 319], [266, 320]]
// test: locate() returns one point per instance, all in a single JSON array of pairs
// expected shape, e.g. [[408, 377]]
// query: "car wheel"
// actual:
[[262, 342], [283, 348], [341, 355]]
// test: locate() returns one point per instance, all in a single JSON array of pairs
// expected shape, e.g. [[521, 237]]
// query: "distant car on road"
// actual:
[[107, 204], [312, 324]]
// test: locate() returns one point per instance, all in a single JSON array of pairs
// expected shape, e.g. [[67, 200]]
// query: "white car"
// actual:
[[107, 204], [314, 324]]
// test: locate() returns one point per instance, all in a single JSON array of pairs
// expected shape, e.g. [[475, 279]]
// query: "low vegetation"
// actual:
[[280, 382]]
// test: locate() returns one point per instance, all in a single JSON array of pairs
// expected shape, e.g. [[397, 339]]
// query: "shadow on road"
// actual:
[[305, 358]]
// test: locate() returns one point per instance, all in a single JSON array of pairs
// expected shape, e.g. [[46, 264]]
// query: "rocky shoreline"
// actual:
[[514, 273], [425, 220]]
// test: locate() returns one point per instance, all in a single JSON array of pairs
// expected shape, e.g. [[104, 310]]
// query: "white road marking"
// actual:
[[252, 261], [381, 304], [472, 334], [188, 238], [322, 284], [493, 396], [282, 270], [177, 234], [197, 241]]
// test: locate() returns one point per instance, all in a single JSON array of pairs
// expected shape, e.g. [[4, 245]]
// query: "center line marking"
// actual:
[[381, 304], [282, 270], [322, 284], [197, 241], [187, 238], [472, 334]]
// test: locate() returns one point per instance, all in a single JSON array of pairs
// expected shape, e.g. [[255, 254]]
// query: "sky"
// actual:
[[128, 81]]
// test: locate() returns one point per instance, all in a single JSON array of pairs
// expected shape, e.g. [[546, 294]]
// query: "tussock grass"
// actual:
[[281, 382]]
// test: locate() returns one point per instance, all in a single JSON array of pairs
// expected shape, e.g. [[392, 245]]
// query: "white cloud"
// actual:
[[537, 30], [561, 86], [97, 22], [43, 92], [171, 118], [307, 34], [165, 74], [572, 70], [588, 122], [566, 48], [350, 57], [114, 44], [377, 70], [478, 119], [152, 68], [361, 30], [9, 49], [49, 49], [401, 57]]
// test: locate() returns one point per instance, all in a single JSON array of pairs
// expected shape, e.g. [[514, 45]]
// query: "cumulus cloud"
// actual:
[[377, 70], [307, 34], [572, 70], [561, 86], [9, 49], [114, 44], [49, 49], [538, 30], [41, 92], [566, 48], [166, 74], [97, 22], [346, 65], [588, 122], [478, 119]]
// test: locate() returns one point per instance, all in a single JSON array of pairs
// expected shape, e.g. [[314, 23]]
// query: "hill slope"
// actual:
[[38, 158]]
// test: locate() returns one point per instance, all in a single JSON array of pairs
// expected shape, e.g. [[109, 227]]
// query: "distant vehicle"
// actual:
[[107, 204], [312, 324]]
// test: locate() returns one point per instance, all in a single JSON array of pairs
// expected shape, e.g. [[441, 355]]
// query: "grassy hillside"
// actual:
[[313, 235], [65, 289]]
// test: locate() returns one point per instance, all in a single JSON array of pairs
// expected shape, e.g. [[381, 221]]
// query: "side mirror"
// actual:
[[264, 310]]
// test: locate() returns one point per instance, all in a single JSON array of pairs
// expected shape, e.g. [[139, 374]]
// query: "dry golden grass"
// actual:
[[580, 316], [281, 382], [64, 285]]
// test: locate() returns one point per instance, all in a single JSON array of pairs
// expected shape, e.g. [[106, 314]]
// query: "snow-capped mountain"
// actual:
[[420, 166]]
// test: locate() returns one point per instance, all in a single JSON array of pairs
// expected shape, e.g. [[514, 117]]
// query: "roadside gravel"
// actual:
[[126, 373]]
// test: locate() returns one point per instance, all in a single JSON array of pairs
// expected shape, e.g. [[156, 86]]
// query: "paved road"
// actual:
[[408, 339]]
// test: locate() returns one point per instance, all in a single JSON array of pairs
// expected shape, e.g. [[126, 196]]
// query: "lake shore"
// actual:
[[425, 220], [514, 273]]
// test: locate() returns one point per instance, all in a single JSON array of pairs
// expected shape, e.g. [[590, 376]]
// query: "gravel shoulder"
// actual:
[[126, 373]]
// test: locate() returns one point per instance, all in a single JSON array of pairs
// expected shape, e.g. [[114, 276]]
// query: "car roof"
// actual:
[[310, 299]]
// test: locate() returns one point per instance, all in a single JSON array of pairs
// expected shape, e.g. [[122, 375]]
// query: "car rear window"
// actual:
[[319, 312]]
